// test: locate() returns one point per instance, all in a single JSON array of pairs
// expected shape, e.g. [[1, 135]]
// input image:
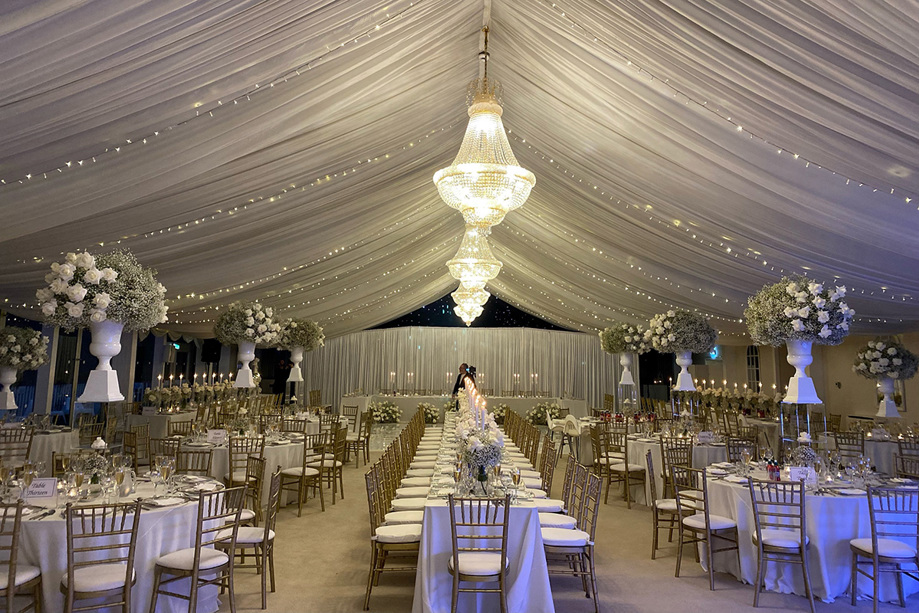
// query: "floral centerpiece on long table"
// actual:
[[481, 442]]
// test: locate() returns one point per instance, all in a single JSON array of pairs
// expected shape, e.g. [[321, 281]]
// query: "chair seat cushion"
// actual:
[[549, 505], [777, 537], [246, 515], [404, 517], [423, 464], [420, 472], [399, 533], [717, 522], [353, 437], [413, 492], [415, 481], [24, 573], [557, 520], [537, 493], [429, 445], [478, 563], [526, 473], [184, 559], [297, 471], [247, 535], [239, 476], [408, 504], [425, 456], [889, 548], [666, 504], [564, 537], [327, 463], [99, 577], [531, 482], [619, 466]]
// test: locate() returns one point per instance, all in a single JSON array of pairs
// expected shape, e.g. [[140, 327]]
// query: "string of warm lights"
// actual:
[[696, 233], [731, 119], [221, 106]]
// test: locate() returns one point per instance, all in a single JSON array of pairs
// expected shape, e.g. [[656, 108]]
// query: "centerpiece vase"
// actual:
[[800, 386], [246, 354], [296, 356], [684, 382], [625, 360], [482, 478], [102, 384], [7, 379], [887, 406]]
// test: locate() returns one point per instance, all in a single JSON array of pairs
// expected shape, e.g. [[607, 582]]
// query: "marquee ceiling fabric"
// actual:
[[686, 153]]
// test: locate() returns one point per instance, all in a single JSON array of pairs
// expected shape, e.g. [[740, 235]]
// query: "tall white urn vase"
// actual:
[[684, 382], [887, 407], [7, 379], [625, 360], [102, 385], [246, 354], [296, 356], [800, 386]]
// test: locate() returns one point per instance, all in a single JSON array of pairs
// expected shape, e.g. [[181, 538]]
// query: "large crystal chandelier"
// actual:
[[484, 183]]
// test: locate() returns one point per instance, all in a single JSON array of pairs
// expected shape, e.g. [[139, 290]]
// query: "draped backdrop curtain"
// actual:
[[569, 364]]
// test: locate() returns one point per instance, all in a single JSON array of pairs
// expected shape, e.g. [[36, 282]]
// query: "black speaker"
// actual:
[[210, 351]]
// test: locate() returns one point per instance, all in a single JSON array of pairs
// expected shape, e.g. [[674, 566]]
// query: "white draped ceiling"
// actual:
[[686, 152]]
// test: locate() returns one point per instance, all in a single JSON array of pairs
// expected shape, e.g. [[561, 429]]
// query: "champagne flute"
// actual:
[[745, 457], [28, 475], [515, 478], [119, 480]]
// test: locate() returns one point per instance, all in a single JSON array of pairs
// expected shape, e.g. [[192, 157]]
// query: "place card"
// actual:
[[148, 411], [42, 488], [217, 436], [797, 473]]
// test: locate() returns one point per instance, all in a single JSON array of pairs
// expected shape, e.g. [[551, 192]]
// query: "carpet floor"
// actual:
[[322, 561]]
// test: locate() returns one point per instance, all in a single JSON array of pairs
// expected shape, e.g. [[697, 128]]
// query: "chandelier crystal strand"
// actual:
[[484, 183]]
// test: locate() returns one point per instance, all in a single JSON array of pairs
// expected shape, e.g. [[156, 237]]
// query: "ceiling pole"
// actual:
[[483, 40]]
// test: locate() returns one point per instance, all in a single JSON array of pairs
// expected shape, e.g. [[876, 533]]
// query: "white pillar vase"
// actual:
[[684, 382], [296, 356], [887, 406], [102, 385], [7, 379], [800, 386], [246, 354], [625, 360]]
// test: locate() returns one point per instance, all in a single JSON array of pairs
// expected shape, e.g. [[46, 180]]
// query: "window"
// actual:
[[753, 379]]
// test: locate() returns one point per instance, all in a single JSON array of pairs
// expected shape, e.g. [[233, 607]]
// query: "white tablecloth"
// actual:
[[159, 427], [44, 544], [831, 522], [409, 404], [58, 442], [288, 455], [769, 428], [702, 456], [527, 585]]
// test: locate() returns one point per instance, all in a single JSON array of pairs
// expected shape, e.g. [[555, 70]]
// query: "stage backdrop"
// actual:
[[569, 364]]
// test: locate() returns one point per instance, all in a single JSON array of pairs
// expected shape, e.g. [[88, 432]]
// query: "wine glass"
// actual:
[[119, 480], [28, 475], [745, 457], [515, 479], [78, 478]]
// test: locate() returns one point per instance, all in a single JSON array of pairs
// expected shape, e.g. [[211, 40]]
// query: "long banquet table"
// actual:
[[408, 404], [832, 521]]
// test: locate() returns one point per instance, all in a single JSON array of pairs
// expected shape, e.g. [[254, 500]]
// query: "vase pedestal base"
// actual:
[[102, 386], [244, 378], [7, 401], [801, 391], [684, 383], [886, 408]]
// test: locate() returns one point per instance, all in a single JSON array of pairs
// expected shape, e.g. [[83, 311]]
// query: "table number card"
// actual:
[[42, 488], [148, 411], [217, 436], [797, 473]]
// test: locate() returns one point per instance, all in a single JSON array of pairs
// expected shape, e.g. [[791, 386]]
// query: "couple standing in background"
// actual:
[[465, 372]]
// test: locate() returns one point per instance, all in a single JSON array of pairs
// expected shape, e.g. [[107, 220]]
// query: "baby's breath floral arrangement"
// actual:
[[623, 337], [299, 332], [247, 322], [22, 348], [537, 415], [798, 308], [113, 286], [431, 413], [678, 330], [500, 412], [385, 412], [884, 358]]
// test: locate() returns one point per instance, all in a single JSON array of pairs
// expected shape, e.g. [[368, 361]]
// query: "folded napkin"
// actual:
[[736, 479], [164, 502]]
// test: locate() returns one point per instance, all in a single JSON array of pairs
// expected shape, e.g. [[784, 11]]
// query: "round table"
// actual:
[[44, 443], [43, 543], [702, 455], [832, 521], [285, 455]]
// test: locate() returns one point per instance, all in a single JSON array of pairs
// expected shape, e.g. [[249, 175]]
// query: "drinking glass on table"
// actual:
[[28, 475], [515, 479], [745, 457], [120, 472], [5, 473], [78, 478]]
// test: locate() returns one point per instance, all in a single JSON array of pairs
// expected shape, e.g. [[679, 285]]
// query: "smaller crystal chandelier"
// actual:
[[467, 313], [469, 302], [474, 265]]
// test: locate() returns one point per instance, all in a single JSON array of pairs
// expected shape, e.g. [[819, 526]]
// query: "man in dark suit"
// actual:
[[461, 378]]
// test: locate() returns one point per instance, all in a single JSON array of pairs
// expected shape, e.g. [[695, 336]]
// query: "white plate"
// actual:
[[736, 479], [850, 491], [164, 502], [902, 481], [717, 444], [718, 472]]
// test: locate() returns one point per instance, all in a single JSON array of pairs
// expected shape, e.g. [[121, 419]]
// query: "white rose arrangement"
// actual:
[[385, 412], [883, 358], [678, 330], [537, 415], [247, 322], [22, 348], [798, 308], [112, 286], [431, 413], [623, 337], [298, 332]]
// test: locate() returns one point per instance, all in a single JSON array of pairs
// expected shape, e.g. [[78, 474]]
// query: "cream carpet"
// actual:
[[322, 561]]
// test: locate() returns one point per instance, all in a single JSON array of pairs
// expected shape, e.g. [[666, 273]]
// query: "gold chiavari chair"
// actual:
[[255, 478], [16, 445], [333, 466], [907, 466], [204, 564], [101, 541], [239, 449], [194, 462], [478, 530], [315, 398], [90, 427], [164, 447], [675, 451], [301, 479], [894, 541], [182, 428], [259, 539], [129, 447], [850, 445], [20, 578], [574, 473], [143, 442], [293, 425], [908, 448], [665, 512], [735, 447], [359, 442], [266, 421], [571, 551], [111, 429], [620, 469], [780, 529], [609, 403], [350, 413]]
